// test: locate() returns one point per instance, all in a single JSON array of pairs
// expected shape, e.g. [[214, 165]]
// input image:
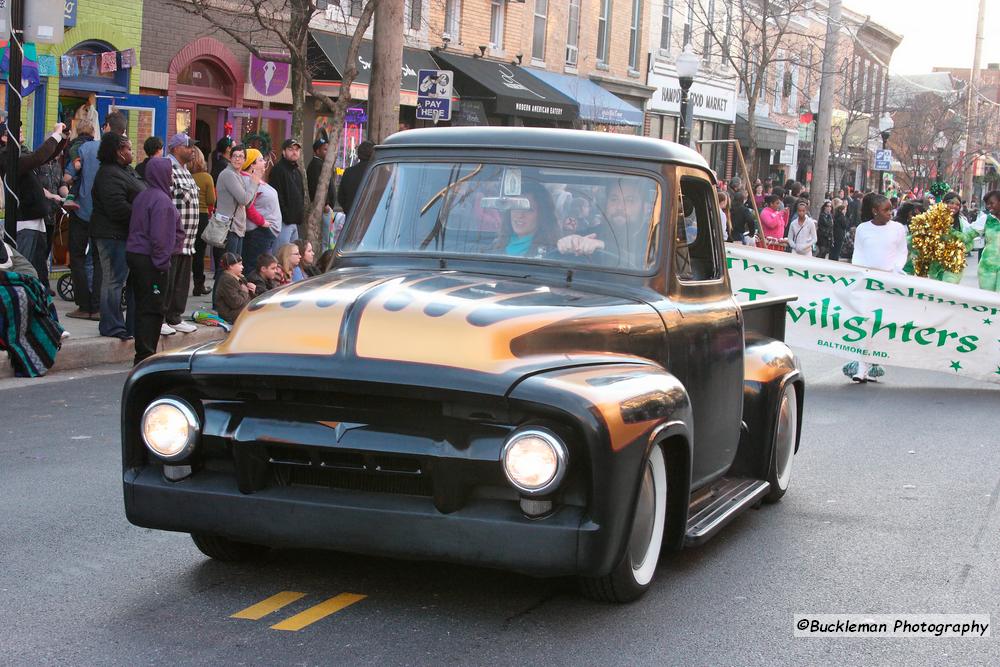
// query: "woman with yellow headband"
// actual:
[[234, 193], [263, 217]]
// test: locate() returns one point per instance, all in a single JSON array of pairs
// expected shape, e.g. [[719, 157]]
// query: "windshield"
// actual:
[[547, 215]]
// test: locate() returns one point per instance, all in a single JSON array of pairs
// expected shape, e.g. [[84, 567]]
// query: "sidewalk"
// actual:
[[85, 348]]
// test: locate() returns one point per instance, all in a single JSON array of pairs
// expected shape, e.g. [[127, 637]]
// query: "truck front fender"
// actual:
[[618, 411]]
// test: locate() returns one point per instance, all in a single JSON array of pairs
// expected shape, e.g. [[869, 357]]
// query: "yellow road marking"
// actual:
[[318, 612], [268, 606]]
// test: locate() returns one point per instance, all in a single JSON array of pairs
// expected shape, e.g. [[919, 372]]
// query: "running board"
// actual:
[[726, 500]]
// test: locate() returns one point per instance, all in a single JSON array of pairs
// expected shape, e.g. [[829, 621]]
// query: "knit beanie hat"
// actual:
[[252, 155]]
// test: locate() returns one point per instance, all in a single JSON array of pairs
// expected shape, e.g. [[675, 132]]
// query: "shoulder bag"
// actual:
[[217, 229]]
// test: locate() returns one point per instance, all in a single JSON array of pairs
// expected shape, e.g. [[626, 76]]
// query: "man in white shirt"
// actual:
[[879, 243]]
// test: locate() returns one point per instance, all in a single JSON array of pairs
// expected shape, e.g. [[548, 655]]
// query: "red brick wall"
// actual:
[[167, 29]]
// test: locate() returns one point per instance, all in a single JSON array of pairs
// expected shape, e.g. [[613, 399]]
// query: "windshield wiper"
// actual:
[[447, 191]]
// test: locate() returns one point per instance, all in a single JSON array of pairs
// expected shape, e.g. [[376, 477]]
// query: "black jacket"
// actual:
[[839, 227], [141, 168], [262, 283], [287, 180], [349, 184], [743, 220], [824, 230], [33, 203], [312, 176], [115, 188], [219, 164], [854, 212]]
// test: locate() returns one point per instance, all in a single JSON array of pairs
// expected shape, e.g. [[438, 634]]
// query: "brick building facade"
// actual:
[[713, 93], [204, 74], [582, 42]]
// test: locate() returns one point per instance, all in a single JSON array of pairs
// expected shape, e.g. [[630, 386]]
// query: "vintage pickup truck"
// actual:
[[527, 356]]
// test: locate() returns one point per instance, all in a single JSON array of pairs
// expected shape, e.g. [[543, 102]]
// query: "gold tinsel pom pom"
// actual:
[[931, 238]]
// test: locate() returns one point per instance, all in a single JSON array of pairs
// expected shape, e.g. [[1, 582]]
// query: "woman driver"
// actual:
[[530, 232]]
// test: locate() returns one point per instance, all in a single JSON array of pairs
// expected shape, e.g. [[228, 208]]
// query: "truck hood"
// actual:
[[447, 320]]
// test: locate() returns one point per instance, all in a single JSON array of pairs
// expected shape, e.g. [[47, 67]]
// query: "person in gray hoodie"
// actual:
[[155, 233]]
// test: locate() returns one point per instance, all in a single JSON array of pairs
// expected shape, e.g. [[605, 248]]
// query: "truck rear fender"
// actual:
[[618, 412], [769, 366]]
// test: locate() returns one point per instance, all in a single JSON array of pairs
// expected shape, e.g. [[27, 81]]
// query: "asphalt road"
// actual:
[[893, 509]]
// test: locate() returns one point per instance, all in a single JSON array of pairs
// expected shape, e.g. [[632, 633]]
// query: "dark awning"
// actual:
[[508, 89], [328, 58], [770, 135], [597, 105]]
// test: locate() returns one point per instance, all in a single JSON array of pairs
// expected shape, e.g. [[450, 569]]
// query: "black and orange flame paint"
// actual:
[[486, 325], [629, 400]]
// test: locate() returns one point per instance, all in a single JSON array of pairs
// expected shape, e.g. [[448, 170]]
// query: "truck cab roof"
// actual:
[[551, 140]]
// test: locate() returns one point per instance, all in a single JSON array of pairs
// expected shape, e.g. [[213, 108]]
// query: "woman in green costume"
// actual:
[[989, 263]]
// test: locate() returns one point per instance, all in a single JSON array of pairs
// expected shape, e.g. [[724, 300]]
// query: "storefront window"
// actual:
[[703, 130], [663, 127]]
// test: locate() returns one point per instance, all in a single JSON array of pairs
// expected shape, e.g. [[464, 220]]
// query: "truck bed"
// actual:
[[766, 317]]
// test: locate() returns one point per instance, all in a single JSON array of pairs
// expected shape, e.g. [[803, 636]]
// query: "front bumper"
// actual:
[[491, 533]]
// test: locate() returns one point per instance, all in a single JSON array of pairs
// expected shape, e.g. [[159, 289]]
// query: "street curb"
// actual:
[[99, 350]]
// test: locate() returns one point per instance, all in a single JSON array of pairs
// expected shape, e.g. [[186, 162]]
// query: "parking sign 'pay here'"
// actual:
[[434, 91]]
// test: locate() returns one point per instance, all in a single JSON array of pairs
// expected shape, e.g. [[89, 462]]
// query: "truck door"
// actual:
[[704, 327]]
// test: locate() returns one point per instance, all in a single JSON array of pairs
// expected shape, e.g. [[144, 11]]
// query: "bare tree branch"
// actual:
[[287, 23]]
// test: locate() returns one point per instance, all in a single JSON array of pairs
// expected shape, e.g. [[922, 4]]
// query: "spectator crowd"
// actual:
[[136, 237], [141, 240]]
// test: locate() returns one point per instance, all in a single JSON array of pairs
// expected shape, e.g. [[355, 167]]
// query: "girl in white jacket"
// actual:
[[801, 231]]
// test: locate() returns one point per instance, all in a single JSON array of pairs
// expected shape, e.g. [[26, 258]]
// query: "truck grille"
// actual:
[[350, 471]]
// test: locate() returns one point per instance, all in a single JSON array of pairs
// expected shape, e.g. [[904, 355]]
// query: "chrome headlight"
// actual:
[[170, 428], [534, 461]]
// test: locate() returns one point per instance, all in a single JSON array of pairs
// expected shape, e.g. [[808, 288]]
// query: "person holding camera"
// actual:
[[34, 204]]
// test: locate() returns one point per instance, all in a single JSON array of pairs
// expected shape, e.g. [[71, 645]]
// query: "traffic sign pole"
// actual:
[[13, 118]]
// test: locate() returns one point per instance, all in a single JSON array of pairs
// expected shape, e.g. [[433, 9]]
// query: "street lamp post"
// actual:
[[940, 143], [885, 126], [687, 64]]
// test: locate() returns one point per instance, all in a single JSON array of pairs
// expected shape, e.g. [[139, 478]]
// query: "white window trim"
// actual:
[[501, 7], [635, 33], [666, 11], [545, 33], [575, 47], [456, 13], [602, 59]]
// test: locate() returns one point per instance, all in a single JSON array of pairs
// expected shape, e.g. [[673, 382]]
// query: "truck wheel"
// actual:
[[634, 573], [783, 445], [226, 550]]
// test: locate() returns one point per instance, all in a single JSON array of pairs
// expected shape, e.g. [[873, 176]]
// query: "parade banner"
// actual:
[[883, 318]]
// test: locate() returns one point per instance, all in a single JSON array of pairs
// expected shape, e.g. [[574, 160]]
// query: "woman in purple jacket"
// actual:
[[155, 233]]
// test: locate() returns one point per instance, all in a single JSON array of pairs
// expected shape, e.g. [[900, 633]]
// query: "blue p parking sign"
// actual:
[[434, 90], [883, 159]]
